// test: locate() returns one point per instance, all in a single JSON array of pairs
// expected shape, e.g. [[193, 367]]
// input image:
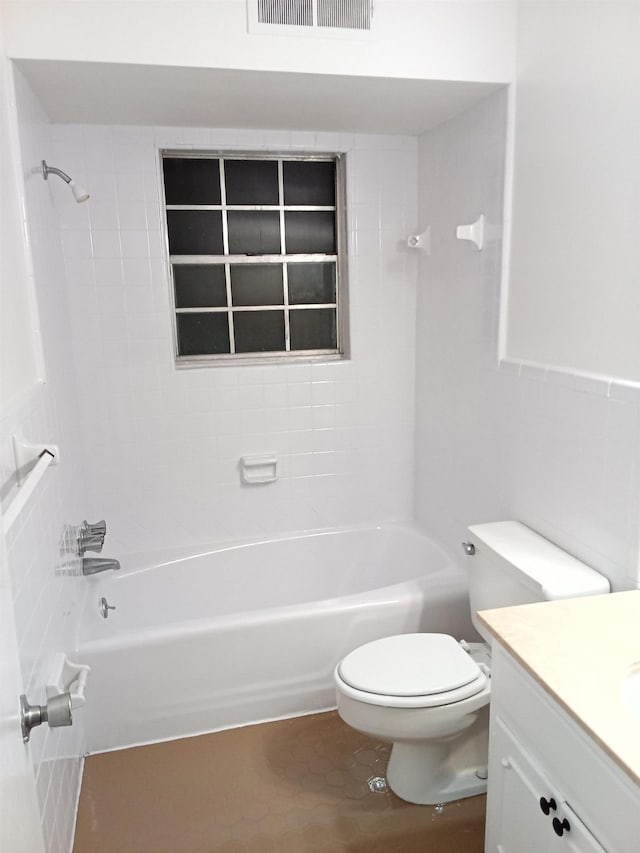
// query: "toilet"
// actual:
[[428, 694]]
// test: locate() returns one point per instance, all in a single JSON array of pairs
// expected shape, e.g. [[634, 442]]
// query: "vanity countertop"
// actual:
[[581, 650]]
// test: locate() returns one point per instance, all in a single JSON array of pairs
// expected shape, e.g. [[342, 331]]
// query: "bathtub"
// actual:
[[252, 631]]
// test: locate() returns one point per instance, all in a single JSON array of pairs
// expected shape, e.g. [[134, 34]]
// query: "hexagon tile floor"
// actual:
[[290, 786]]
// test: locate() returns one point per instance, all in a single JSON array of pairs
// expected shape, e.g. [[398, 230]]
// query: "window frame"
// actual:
[[341, 352]]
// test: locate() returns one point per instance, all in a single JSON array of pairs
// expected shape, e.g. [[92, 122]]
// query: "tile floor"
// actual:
[[290, 786]]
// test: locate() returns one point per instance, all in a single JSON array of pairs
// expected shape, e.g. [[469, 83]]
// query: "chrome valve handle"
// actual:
[[91, 537], [57, 712]]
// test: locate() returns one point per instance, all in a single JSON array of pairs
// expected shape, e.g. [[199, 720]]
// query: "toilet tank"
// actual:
[[513, 564]]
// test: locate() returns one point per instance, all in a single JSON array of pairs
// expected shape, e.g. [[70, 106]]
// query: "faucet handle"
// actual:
[[91, 536]]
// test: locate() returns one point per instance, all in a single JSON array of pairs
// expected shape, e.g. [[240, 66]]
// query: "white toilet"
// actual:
[[428, 694]]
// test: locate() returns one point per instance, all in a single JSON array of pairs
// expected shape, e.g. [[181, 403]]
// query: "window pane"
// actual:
[[309, 183], [254, 232], [191, 181], [256, 284], [311, 283], [195, 232], [203, 334], [310, 233], [259, 331], [199, 286], [313, 328], [251, 181]]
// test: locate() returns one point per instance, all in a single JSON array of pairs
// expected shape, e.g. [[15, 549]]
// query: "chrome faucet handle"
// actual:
[[91, 536], [57, 712]]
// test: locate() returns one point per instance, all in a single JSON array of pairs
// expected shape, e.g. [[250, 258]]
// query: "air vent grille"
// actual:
[[290, 13], [348, 14], [334, 14]]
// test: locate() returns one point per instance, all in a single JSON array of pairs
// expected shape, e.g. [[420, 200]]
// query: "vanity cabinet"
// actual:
[[551, 788], [534, 816]]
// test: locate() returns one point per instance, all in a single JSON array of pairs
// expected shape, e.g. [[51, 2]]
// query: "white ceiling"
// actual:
[[100, 93]]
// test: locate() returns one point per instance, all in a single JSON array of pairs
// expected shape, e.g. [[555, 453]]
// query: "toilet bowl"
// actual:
[[427, 695]]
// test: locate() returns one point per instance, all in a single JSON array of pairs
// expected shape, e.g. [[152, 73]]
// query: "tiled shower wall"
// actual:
[[163, 445], [46, 589], [556, 450]]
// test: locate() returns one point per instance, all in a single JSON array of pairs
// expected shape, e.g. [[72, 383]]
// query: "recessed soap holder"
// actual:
[[255, 470], [68, 677]]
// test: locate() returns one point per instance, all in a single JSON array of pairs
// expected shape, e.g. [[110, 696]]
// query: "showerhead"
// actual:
[[79, 192]]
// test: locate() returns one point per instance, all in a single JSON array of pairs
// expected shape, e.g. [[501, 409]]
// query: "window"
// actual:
[[256, 246]]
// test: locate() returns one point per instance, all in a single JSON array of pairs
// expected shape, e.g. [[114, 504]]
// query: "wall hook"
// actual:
[[473, 232], [421, 241]]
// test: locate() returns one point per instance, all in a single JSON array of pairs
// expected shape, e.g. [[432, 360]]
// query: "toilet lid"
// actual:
[[409, 665]]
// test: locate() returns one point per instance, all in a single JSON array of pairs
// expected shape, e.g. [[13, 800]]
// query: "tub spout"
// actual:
[[93, 565]]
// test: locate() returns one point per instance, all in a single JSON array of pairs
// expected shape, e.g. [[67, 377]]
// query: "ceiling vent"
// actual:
[[310, 17]]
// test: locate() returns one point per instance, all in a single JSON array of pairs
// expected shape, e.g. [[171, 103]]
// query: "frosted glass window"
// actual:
[[309, 183], [257, 284], [191, 181], [202, 334], [251, 181], [310, 233], [195, 232], [309, 283], [259, 331], [199, 286], [313, 329], [253, 232], [255, 246]]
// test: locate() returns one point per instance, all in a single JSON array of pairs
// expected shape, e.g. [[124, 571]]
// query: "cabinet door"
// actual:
[[518, 791]]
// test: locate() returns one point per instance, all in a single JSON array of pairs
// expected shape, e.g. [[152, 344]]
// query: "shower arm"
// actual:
[[51, 170]]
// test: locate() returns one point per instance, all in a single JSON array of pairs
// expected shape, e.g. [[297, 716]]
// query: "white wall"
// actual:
[[555, 450], [427, 40], [162, 445], [20, 362], [574, 299], [47, 593]]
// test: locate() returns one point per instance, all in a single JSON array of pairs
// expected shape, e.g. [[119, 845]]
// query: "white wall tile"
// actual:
[[48, 593], [234, 410], [516, 441]]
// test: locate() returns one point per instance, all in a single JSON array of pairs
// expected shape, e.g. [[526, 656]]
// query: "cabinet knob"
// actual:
[[549, 806], [560, 827]]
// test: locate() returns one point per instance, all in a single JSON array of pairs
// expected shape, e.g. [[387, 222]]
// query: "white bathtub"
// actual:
[[252, 631]]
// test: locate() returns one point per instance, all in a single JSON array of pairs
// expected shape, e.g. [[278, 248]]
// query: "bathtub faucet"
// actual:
[[93, 565]]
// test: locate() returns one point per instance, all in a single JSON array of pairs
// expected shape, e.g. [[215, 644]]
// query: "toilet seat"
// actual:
[[410, 671]]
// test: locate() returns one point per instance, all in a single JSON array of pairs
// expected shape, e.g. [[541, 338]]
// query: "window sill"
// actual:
[[198, 363]]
